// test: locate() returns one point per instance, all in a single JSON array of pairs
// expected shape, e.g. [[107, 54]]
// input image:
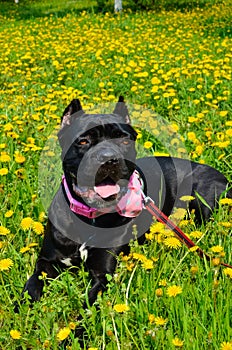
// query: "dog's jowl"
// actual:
[[100, 199]]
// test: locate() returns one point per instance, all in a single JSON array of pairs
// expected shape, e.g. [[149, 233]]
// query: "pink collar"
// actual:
[[130, 205]]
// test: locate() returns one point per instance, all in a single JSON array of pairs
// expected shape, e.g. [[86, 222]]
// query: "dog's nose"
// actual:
[[108, 157], [112, 162]]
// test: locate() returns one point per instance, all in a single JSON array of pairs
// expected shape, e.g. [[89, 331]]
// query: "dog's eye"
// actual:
[[126, 141], [83, 142]]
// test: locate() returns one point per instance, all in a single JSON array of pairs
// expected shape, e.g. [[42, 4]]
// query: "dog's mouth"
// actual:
[[103, 193], [107, 189]]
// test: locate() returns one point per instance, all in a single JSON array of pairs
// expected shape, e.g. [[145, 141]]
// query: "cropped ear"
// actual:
[[122, 110], [72, 111]]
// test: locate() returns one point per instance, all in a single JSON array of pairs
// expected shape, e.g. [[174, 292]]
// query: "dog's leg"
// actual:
[[102, 262], [99, 283], [34, 286]]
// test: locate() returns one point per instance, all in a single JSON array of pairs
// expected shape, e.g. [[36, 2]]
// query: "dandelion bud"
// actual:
[[159, 292]]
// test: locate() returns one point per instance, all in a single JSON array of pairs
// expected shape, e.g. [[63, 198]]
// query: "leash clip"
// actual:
[[147, 200]]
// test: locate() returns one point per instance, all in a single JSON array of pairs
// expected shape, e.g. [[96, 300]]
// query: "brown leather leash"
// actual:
[[161, 217]]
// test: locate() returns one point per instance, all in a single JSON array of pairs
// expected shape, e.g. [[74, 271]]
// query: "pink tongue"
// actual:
[[107, 190]]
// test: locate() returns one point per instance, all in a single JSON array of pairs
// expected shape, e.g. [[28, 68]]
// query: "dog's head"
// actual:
[[98, 152]]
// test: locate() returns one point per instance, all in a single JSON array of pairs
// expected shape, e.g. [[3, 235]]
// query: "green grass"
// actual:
[[174, 68]]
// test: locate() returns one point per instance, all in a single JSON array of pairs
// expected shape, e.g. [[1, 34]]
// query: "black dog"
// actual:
[[101, 196]]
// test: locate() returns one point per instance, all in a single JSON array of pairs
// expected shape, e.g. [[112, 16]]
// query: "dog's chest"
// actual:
[[74, 260]]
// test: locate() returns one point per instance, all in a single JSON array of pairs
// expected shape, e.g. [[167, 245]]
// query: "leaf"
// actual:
[[203, 200]]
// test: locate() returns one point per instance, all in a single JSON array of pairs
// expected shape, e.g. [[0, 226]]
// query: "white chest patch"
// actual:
[[66, 261], [83, 255], [83, 252]]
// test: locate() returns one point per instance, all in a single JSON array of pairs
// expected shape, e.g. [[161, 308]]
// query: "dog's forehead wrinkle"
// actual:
[[108, 131]]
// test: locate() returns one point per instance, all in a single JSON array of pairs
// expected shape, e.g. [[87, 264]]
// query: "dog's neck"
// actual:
[[130, 205]]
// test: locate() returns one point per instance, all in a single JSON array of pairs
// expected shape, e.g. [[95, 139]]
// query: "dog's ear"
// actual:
[[72, 111], [122, 110]]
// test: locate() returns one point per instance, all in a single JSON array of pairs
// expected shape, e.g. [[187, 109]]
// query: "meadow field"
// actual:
[[173, 66]]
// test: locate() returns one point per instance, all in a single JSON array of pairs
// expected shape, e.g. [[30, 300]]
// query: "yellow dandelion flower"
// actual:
[[157, 227], [147, 144], [15, 334], [155, 88], [148, 264], [5, 158], [8, 127], [178, 214], [155, 81], [43, 275], [4, 231], [192, 136], [183, 223], [161, 154], [20, 159], [24, 249], [163, 283], [221, 144], [226, 346], [149, 236], [216, 261], [121, 308], [46, 344], [132, 64], [151, 318], [26, 223], [194, 270], [177, 342], [9, 213], [174, 290], [125, 257], [130, 266], [175, 127], [4, 171], [32, 245], [5, 264], [196, 234], [42, 216], [194, 248], [37, 227], [139, 257], [160, 321], [72, 325], [193, 119], [223, 113], [20, 172], [92, 349], [159, 237], [134, 88], [199, 150], [155, 259], [226, 201], [228, 272], [229, 132], [63, 333], [187, 198], [172, 242], [226, 224], [216, 249]]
